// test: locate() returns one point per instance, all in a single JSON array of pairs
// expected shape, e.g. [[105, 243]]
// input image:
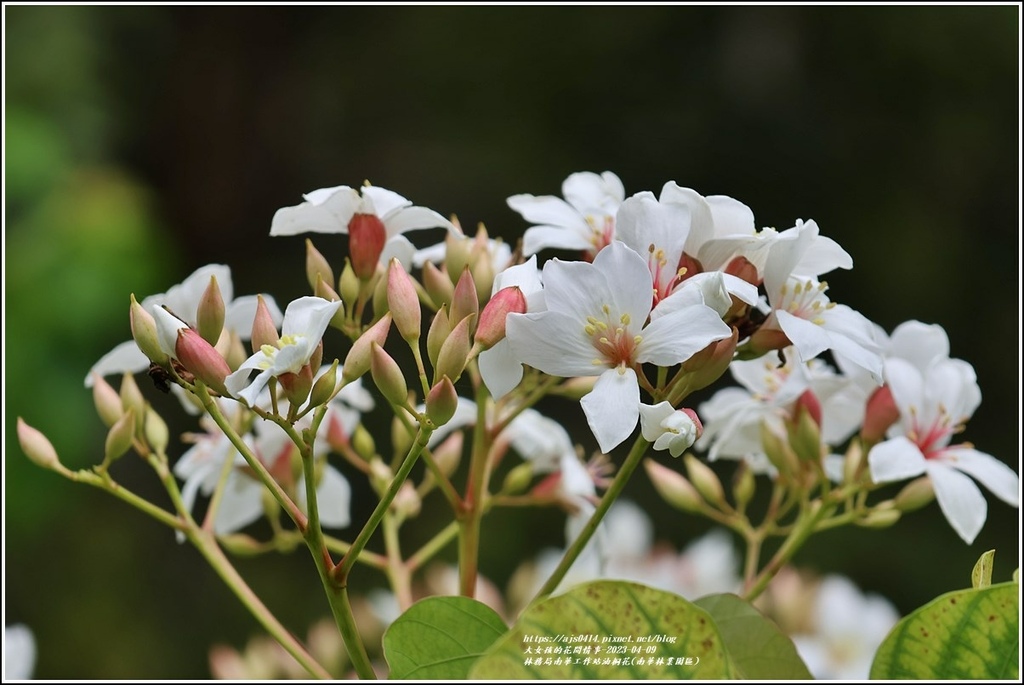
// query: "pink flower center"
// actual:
[[806, 300], [602, 231], [932, 439], [612, 339]]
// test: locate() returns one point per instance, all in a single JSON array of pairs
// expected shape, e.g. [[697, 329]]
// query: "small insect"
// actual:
[[160, 377]]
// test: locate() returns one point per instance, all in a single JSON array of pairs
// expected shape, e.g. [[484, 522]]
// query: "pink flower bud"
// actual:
[[119, 437], [881, 413], [437, 285], [491, 328], [358, 360], [37, 447], [317, 267], [454, 353], [264, 332], [673, 487], [210, 313], [367, 236], [440, 329], [388, 376], [708, 365], [107, 401], [201, 359], [464, 299], [297, 385], [403, 302], [704, 479], [442, 401], [741, 267], [696, 421]]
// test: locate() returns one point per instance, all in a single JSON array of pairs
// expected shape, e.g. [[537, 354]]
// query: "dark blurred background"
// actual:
[[144, 142]]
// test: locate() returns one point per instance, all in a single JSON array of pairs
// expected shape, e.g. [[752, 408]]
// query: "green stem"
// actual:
[[802, 529], [621, 478], [397, 572], [105, 482], [472, 510]]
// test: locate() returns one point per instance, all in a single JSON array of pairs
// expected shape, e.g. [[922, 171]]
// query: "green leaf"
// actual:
[[439, 638], [981, 576], [614, 620], [962, 635], [758, 649]]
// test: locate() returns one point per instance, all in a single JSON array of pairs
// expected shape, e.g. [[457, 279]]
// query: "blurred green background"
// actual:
[[144, 142]]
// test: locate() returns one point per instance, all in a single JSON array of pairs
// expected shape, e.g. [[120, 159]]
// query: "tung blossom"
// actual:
[[934, 403], [305, 321], [596, 324], [584, 220]]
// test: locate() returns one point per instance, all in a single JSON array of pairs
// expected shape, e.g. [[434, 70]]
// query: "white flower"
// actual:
[[183, 299], [668, 428], [332, 210], [585, 220], [500, 369], [595, 325], [934, 403], [305, 321], [19, 652], [848, 629]]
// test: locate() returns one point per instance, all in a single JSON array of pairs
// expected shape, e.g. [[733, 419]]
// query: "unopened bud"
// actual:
[[107, 401], [210, 313], [242, 545], [704, 479], [778, 451], [201, 359], [324, 386], [708, 365], [145, 334], [743, 485], [357, 362], [380, 295], [401, 438], [363, 444], [119, 437], [881, 412], [442, 401], [804, 428], [132, 399], [380, 475], [915, 494], [366, 238], [155, 431], [575, 388], [879, 518], [853, 462], [324, 291], [456, 255], [491, 328], [37, 447], [388, 376], [297, 385], [403, 302], [264, 332], [741, 267], [518, 479], [448, 454], [440, 329], [317, 267], [673, 487], [231, 348], [407, 502], [348, 285], [437, 285], [454, 353], [765, 340], [483, 277], [464, 299]]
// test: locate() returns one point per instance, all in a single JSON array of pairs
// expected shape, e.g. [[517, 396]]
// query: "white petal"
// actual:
[[702, 225], [731, 217], [240, 314], [895, 459], [590, 193], [183, 298], [538, 238], [330, 212], [810, 339], [642, 221], [167, 327], [960, 500], [333, 498], [309, 316], [627, 285], [19, 652], [822, 255], [525, 275], [241, 504], [416, 218], [125, 358], [548, 210], [999, 478], [551, 342], [676, 337], [784, 254], [919, 343], [651, 418], [398, 248], [500, 370], [613, 407]]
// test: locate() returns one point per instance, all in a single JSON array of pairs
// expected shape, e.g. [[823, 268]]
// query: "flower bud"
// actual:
[[483, 276], [704, 480], [403, 302], [401, 438], [853, 461], [464, 300], [407, 502], [673, 487], [107, 401], [119, 438], [37, 447], [741, 267], [201, 359], [210, 313], [879, 518], [324, 386], [440, 329], [348, 284], [804, 428], [743, 485], [363, 444], [765, 340], [915, 494], [456, 255], [131, 398], [264, 332], [357, 362], [155, 431], [454, 353], [324, 291], [708, 365], [380, 475], [575, 388], [297, 385], [144, 332], [518, 479], [778, 452], [366, 238], [231, 348], [881, 412], [317, 267], [448, 454], [388, 376], [437, 285], [380, 296], [491, 328], [442, 401]]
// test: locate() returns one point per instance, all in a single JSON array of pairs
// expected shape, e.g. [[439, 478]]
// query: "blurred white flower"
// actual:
[[19, 652]]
